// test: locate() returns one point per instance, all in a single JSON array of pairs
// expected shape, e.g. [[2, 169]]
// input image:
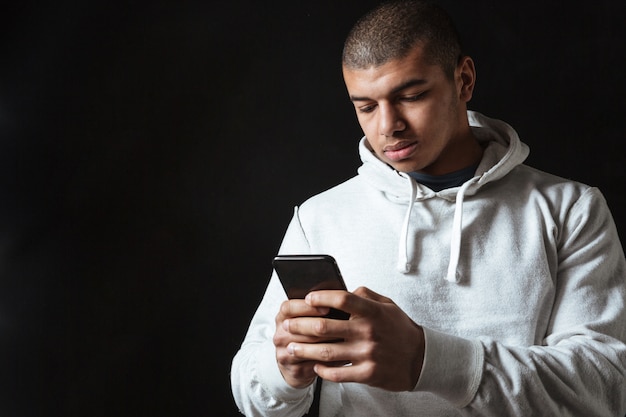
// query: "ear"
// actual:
[[465, 77]]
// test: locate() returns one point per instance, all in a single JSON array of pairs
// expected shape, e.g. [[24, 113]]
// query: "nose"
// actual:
[[390, 121]]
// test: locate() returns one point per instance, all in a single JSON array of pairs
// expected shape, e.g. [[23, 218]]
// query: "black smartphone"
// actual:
[[301, 274]]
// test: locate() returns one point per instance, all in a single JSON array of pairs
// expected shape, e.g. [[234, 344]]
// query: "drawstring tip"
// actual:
[[453, 277], [404, 267]]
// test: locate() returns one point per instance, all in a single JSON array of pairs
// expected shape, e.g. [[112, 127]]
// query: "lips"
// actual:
[[400, 151]]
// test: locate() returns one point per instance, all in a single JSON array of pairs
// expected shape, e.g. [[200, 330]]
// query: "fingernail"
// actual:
[[291, 348], [286, 325]]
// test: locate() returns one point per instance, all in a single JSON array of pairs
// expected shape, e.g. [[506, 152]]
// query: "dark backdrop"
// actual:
[[151, 153]]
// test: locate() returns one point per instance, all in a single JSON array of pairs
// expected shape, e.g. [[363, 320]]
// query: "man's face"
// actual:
[[413, 116]]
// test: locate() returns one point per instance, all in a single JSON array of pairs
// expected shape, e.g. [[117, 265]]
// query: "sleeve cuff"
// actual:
[[452, 367]]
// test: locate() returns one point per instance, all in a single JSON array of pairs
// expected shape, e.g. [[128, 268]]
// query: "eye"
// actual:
[[413, 97], [367, 109]]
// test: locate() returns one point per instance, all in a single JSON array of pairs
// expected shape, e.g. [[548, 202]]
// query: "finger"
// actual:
[[299, 308], [347, 372], [363, 373], [338, 299], [352, 303], [317, 327], [331, 353], [283, 337]]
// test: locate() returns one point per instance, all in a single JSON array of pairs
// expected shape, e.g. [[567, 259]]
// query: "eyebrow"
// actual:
[[397, 89]]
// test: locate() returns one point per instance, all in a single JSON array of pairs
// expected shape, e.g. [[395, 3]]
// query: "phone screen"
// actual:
[[301, 274]]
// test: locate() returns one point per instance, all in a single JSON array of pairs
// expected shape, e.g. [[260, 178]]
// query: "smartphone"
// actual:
[[301, 274]]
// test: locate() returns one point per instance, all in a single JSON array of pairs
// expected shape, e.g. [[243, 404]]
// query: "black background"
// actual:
[[151, 153]]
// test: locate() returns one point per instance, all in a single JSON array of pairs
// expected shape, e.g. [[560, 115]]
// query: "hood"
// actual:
[[503, 151]]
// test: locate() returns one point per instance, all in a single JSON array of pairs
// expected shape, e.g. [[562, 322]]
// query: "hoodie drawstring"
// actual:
[[403, 256], [457, 230]]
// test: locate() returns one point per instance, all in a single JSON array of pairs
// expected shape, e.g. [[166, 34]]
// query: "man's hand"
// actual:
[[382, 346], [297, 372]]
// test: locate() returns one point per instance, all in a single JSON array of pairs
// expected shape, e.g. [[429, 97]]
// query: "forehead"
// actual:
[[377, 80]]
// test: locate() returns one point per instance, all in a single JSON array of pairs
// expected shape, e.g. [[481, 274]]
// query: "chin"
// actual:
[[405, 166]]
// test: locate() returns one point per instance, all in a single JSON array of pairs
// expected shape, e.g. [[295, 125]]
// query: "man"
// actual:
[[479, 285]]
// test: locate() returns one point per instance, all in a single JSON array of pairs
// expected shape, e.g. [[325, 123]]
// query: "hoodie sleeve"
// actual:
[[580, 368], [257, 384]]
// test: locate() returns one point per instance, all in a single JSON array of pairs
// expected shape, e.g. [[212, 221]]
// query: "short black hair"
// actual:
[[392, 29]]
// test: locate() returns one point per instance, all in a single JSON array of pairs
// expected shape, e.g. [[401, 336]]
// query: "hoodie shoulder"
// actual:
[[545, 180], [345, 190]]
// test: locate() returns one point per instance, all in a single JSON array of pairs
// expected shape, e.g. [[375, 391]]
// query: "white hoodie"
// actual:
[[517, 277]]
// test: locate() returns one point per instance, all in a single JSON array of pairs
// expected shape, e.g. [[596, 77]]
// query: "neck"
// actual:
[[461, 153]]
